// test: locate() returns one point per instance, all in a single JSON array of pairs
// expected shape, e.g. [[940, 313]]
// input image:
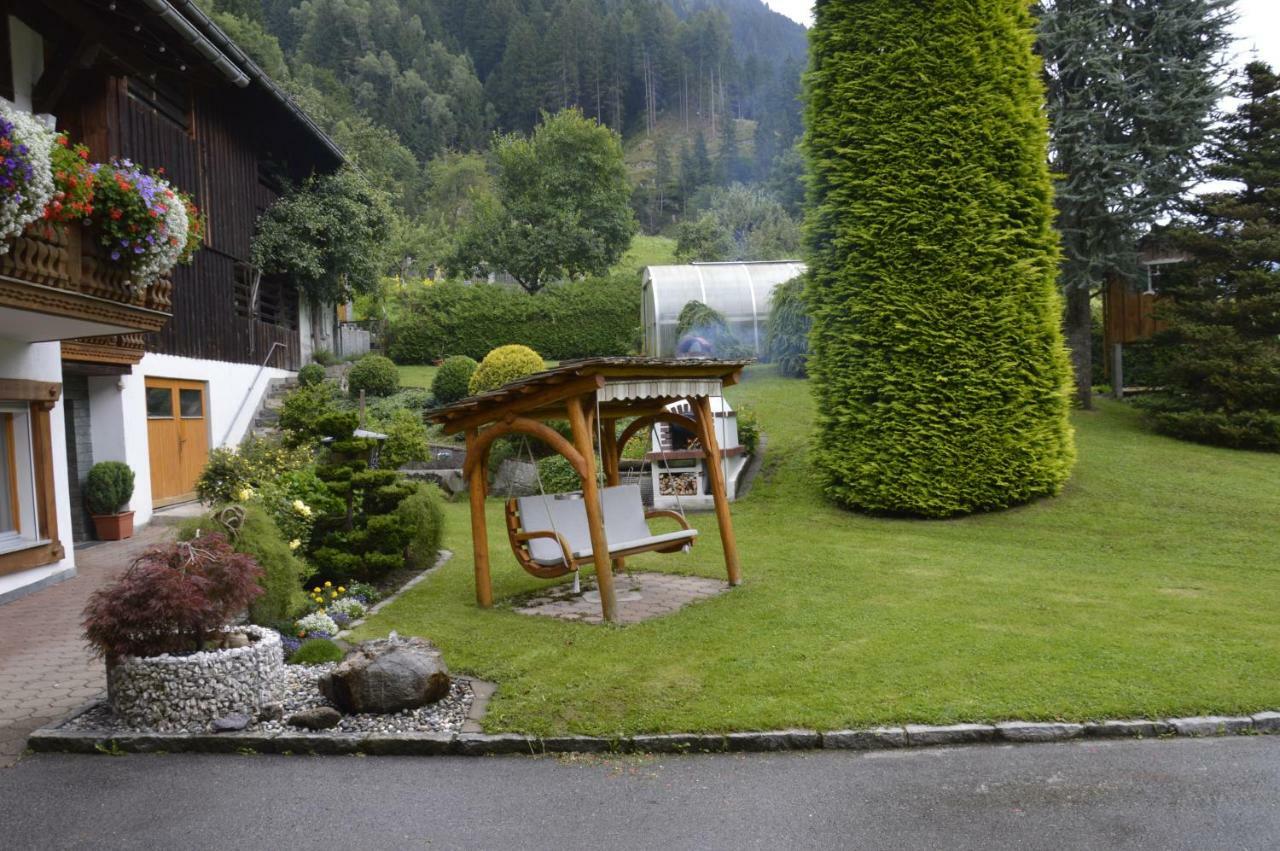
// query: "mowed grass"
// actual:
[[417, 375], [1151, 587], [646, 251]]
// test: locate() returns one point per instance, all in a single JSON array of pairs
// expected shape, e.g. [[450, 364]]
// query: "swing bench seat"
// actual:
[[550, 536]]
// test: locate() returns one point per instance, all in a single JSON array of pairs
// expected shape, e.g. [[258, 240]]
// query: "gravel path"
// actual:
[[299, 692]]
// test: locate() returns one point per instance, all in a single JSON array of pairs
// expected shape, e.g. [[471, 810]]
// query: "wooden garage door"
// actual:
[[178, 437]]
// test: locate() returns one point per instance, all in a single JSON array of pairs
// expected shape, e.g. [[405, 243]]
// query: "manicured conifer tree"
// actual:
[[1220, 379], [937, 356]]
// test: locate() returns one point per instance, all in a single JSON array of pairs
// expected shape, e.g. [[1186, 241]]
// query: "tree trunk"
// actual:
[[1078, 329]]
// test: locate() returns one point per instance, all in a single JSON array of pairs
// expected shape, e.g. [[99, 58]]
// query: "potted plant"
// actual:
[[106, 493]]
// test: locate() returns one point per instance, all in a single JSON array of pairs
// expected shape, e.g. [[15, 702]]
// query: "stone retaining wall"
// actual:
[[174, 693]]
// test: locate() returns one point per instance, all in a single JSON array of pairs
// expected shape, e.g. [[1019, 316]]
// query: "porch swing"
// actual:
[[552, 535]]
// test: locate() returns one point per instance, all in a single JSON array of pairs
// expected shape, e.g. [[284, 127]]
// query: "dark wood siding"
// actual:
[[215, 160]]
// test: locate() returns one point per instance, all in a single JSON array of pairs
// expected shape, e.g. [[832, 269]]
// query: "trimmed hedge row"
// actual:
[[588, 318]]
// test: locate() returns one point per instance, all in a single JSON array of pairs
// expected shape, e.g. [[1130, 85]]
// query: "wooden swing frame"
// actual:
[[569, 392]]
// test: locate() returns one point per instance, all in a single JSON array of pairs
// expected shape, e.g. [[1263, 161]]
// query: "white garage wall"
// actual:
[[118, 410], [42, 362]]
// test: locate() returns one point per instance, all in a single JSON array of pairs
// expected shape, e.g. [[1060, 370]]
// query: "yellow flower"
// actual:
[[335, 595], [315, 590], [294, 544], [341, 590], [328, 584]]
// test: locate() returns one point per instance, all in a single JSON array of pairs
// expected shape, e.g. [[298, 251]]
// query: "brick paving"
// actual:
[[641, 596], [45, 668]]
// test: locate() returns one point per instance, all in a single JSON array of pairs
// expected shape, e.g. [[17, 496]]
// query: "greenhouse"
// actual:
[[741, 292]]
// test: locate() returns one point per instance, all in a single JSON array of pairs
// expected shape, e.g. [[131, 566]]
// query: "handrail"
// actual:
[[231, 426]]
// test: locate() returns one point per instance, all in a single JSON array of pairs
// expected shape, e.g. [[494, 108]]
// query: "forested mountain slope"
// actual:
[[706, 89]]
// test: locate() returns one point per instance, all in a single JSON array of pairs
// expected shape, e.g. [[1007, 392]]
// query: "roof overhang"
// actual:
[[621, 386]]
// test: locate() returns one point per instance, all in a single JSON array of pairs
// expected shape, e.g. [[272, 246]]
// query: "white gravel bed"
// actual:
[[299, 692]]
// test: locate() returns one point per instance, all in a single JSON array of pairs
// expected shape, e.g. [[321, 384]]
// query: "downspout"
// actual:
[[165, 11]]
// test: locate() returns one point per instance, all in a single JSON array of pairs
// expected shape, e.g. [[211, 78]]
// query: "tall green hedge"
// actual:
[[937, 355], [592, 317]]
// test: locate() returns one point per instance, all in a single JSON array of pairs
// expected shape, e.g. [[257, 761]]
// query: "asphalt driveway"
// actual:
[[1185, 793]]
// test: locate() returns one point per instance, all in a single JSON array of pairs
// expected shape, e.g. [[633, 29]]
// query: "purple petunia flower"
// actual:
[[115, 255]]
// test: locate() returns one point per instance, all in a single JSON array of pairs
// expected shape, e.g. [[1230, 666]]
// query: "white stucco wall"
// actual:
[[42, 362], [118, 411]]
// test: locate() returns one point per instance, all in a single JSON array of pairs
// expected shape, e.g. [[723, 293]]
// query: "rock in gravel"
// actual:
[[271, 712], [319, 718], [230, 723], [386, 676]]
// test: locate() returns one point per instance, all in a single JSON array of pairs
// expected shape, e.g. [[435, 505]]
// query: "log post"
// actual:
[[579, 422], [477, 484], [719, 490], [611, 456]]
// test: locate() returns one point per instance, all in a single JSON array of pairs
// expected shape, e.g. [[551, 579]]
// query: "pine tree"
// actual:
[[1131, 88], [937, 356], [1221, 372]]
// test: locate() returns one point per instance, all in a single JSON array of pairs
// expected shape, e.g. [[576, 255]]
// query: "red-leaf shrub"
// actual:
[[172, 599]]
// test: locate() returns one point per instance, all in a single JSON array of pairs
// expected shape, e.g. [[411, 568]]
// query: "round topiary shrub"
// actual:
[[375, 375], [937, 356], [109, 487], [453, 379], [312, 373], [504, 365], [317, 651]]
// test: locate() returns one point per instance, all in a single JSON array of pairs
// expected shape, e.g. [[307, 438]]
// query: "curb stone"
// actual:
[[779, 740], [55, 739], [1266, 722], [676, 743], [879, 738], [1212, 725], [951, 734], [1127, 729], [1035, 731]]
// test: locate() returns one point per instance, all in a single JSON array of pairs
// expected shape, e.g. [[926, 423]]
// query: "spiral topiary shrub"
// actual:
[[375, 375], [312, 373], [502, 366], [937, 356], [109, 487], [453, 379]]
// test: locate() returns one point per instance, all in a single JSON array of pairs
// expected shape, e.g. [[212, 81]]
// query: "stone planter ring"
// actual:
[[169, 692]]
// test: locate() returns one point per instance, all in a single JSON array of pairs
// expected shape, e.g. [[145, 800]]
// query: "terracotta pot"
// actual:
[[113, 527]]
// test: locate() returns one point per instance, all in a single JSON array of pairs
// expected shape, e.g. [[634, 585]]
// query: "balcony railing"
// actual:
[[82, 283]]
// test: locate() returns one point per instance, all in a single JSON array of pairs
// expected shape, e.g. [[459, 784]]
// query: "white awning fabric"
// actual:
[[669, 388]]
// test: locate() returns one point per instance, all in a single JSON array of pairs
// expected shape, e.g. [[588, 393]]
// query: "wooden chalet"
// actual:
[[159, 377]]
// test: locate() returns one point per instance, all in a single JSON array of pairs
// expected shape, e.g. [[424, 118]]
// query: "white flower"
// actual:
[[294, 544], [317, 622], [27, 204], [302, 508], [350, 607]]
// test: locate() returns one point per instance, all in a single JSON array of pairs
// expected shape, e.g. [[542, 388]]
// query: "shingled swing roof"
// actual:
[[632, 386]]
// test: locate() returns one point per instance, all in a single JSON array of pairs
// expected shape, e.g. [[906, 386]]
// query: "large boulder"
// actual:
[[387, 675]]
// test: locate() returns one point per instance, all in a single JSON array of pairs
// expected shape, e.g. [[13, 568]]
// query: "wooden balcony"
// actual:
[[55, 284]]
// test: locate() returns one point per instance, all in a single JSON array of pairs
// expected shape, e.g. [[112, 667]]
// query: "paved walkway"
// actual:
[[45, 668], [641, 596]]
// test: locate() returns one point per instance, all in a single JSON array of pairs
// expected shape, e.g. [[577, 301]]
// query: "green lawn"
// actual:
[[417, 375], [646, 251], [1150, 587]]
